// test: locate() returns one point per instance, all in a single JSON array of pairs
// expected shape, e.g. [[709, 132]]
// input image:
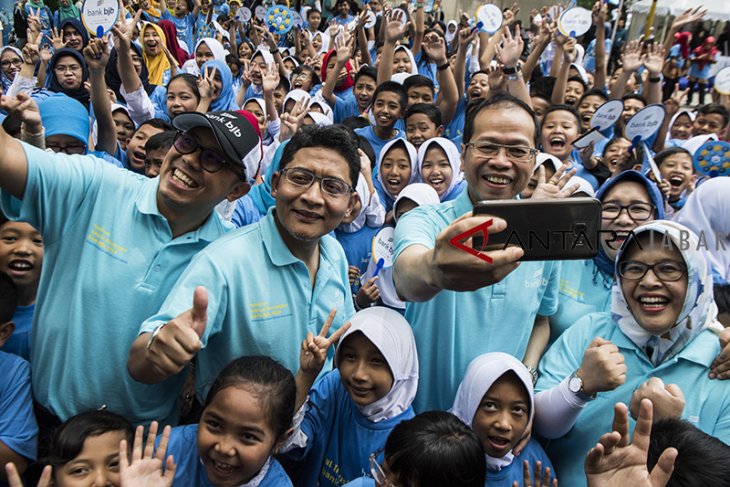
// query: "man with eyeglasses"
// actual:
[[271, 282], [461, 306], [117, 243]]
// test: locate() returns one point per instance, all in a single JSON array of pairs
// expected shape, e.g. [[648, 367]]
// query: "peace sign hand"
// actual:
[[555, 187], [291, 121], [205, 84], [15, 481], [314, 348]]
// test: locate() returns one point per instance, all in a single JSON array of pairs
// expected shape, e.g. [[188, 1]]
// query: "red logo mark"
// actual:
[[483, 227]]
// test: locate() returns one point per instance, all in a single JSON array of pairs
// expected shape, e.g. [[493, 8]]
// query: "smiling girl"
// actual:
[[439, 166], [397, 168]]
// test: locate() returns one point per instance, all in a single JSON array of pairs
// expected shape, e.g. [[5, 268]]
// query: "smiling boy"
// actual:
[[389, 102]]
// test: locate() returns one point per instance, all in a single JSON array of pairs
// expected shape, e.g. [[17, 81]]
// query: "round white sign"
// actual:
[[371, 19], [99, 16], [722, 81], [491, 18], [607, 114], [575, 22], [244, 14], [644, 124], [297, 19], [260, 12], [384, 246]]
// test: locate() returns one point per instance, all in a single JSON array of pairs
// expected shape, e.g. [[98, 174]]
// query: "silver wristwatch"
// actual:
[[575, 385]]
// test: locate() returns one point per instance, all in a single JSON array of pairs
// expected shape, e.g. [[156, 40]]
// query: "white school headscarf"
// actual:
[[297, 95], [583, 185], [412, 155], [452, 154], [699, 310], [401, 47], [320, 102], [372, 213], [448, 35], [319, 119], [707, 212], [682, 111], [325, 40], [392, 336], [420, 193], [481, 374], [219, 54]]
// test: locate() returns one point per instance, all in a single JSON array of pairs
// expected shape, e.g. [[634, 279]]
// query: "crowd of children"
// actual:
[[227, 249]]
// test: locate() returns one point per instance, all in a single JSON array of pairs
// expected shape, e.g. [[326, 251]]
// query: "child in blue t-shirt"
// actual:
[[352, 409], [18, 428], [496, 399], [21, 256], [183, 19], [389, 102]]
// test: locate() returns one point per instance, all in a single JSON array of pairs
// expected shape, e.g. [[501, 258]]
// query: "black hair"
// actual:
[[612, 142], [3, 219], [578, 79], [702, 459], [543, 87], [368, 71], [431, 111], [273, 384], [593, 92], [417, 81], [163, 141], [313, 11], [188, 79], [68, 440], [303, 67], [498, 100], [8, 298], [634, 96], [659, 158], [284, 83], [367, 148], [392, 87], [722, 297], [717, 109], [435, 449], [355, 122], [337, 138], [157, 123], [562, 108], [233, 59]]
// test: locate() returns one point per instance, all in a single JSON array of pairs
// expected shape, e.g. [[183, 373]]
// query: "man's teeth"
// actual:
[[183, 178], [498, 180]]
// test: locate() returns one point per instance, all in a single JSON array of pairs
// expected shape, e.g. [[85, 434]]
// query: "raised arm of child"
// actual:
[[96, 54]]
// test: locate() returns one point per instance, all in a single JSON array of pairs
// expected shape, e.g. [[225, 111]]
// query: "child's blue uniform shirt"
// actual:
[[260, 299], [361, 482], [19, 341], [18, 429], [533, 453], [707, 401], [114, 260], [184, 27], [376, 142], [358, 246], [183, 447], [345, 107], [341, 439], [452, 328]]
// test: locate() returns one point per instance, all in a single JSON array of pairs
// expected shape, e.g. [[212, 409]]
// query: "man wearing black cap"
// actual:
[[116, 244]]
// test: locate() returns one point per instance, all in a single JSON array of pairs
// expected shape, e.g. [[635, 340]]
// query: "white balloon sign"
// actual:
[[384, 246], [575, 22], [491, 18], [607, 114]]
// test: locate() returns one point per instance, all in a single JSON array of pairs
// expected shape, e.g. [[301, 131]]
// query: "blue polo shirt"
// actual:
[[260, 300], [109, 262], [707, 401], [18, 429], [452, 328]]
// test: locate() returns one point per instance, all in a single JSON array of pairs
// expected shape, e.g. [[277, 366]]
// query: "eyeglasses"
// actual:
[[210, 160], [304, 179], [666, 270], [638, 212], [377, 471], [67, 149], [515, 152], [15, 62]]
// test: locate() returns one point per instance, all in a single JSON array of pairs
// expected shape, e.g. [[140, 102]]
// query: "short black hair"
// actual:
[[163, 140], [562, 108], [313, 11], [284, 83], [355, 122], [435, 449], [367, 148], [593, 92], [717, 109], [578, 79], [335, 137], [303, 67], [417, 81], [498, 100], [431, 111], [392, 87], [634, 96], [157, 123], [662, 156], [702, 459], [368, 71], [8, 298]]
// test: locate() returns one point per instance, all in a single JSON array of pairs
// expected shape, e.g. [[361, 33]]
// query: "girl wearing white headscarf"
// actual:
[[353, 408], [494, 383], [193, 66], [451, 35], [403, 60], [294, 96], [393, 176], [680, 127], [269, 128], [661, 329], [442, 168]]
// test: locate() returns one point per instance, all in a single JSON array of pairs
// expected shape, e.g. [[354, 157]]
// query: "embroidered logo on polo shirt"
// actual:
[[263, 311], [100, 238]]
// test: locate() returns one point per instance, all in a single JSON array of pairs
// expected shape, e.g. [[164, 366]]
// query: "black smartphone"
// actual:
[[559, 229]]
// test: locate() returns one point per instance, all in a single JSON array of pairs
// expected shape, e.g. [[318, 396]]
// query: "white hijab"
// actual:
[[419, 193], [297, 95], [219, 54], [392, 336], [412, 155], [325, 40], [401, 47], [319, 119], [452, 154], [448, 35], [682, 111], [583, 185], [481, 374], [371, 213]]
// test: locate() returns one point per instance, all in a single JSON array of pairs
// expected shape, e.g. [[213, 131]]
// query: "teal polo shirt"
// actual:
[[707, 401], [452, 328], [109, 262], [260, 298]]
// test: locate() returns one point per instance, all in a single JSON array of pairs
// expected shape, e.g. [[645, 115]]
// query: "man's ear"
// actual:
[[440, 131], [6, 330], [275, 183], [239, 190]]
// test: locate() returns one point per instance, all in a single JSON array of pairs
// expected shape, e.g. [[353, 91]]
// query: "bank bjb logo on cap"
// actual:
[[221, 118]]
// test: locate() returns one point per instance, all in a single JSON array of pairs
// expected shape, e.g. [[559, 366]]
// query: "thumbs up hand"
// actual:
[[176, 342]]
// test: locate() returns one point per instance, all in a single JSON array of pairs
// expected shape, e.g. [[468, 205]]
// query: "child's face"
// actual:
[[21, 253], [124, 127], [314, 20], [558, 133], [258, 66], [317, 43], [420, 94], [153, 162], [401, 62], [678, 170], [436, 169], [587, 108], [135, 146], [420, 128], [255, 108], [478, 87], [573, 92], [302, 81], [279, 95], [395, 169], [181, 8], [341, 76], [682, 128], [203, 54], [502, 416], [234, 437], [152, 42], [97, 464], [364, 90], [387, 109], [180, 98], [709, 123], [363, 370], [618, 156]]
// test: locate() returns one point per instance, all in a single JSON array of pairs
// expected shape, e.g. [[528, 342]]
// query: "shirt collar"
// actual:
[[695, 351], [275, 246]]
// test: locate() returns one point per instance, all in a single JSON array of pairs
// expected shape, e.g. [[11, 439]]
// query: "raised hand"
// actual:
[[631, 57], [96, 54], [333, 29], [270, 78], [435, 48], [146, 467], [668, 400], [511, 50], [653, 60], [314, 348], [368, 293], [395, 28], [124, 32], [542, 479], [30, 115], [57, 40], [569, 51], [177, 341], [603, 367], [31, 54], [689, 16], [291, 121], [14, 477], [342, 48], [554, 188], [466, 37], [46, 53], [495, 78]]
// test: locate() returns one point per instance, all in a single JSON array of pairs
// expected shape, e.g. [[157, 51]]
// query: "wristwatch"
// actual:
[[512, 74], [575, 385]]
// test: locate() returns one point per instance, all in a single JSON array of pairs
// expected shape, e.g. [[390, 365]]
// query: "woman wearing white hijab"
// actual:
[[392, 174], [496, 400], [293, 97], [193, 66], [439, 166], [352, 409], [661, 329]]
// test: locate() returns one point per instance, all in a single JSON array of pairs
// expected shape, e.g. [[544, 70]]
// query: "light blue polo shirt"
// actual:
[[707, 401], [453, 328], [109, 262], [260, 298]]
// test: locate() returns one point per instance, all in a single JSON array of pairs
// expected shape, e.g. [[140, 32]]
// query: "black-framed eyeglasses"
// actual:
[[304, 178], [210, 160], [666, 270], [14, 62], [638, 212], [486, 148]]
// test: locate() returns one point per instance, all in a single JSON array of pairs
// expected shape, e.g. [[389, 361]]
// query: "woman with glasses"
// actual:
[[628, 200], [11, 60], [657, 342]]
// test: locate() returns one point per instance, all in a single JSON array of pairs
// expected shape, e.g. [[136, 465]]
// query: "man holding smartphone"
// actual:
[[459, 305]]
